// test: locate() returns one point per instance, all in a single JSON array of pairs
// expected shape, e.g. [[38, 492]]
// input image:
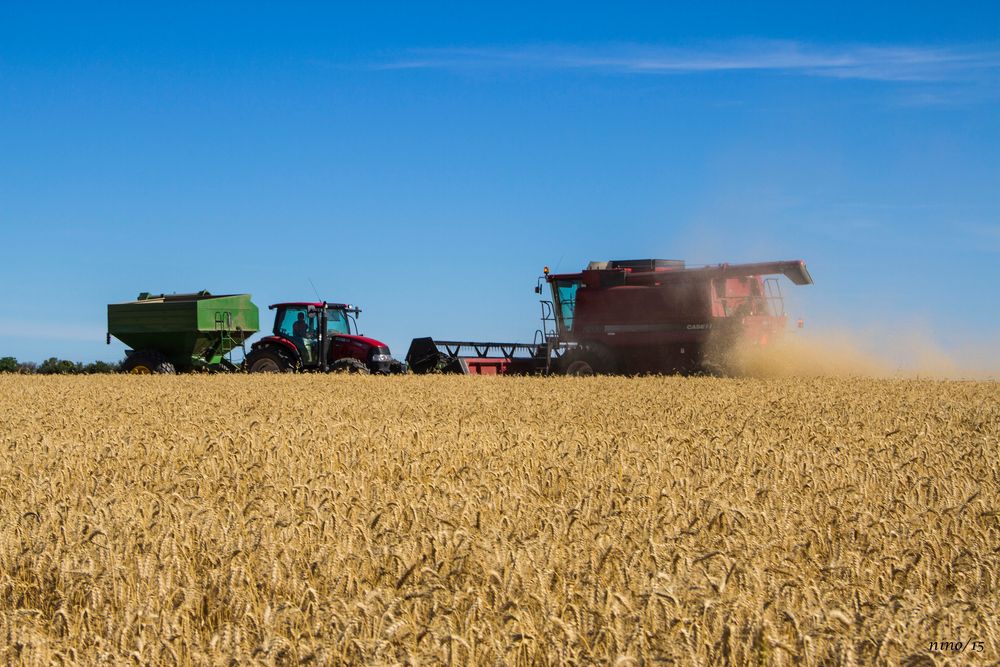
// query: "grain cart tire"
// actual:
[[145, 362], [349, 365], [589, 361], [268, 360]]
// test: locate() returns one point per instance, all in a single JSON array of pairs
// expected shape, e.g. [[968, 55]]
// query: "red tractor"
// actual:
[[316, 336]]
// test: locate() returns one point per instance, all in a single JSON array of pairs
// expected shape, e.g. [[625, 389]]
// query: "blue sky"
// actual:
[[426, 162]]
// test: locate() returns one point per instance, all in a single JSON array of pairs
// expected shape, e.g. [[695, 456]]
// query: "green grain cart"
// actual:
[[182, 332]]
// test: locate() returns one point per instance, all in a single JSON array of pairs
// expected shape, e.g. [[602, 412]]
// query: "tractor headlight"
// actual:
[[381, 357]]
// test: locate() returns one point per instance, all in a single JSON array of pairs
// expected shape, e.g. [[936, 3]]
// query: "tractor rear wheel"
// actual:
[[268, 360], [145, 362], [349, 365]]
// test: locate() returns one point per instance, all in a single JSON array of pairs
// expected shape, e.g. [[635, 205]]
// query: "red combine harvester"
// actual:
[[632, 316]]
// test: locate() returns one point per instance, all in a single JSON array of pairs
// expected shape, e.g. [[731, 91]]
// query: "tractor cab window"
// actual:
[[296, 321], [301, 327], [336, 322], [564, 295]]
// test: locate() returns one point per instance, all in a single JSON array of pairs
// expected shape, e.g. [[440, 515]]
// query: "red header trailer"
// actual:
[[633, 316]]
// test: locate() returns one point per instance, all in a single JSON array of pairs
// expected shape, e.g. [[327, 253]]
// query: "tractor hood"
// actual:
[[364, 340]]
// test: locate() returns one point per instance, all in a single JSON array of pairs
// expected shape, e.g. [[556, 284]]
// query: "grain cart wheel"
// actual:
[[268, 360], [145, 362], [349, 365]]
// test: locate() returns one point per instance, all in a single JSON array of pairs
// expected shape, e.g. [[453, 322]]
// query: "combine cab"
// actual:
[[633, 316]]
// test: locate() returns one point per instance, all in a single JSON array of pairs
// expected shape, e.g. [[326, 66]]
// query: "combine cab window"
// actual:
[[564, 294]]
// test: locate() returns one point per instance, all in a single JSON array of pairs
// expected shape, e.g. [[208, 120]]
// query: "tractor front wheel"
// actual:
[[349, 365], [146, 362], [267, 360]]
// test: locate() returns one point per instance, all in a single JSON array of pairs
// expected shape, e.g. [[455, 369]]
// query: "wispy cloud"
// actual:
[[876, 63]]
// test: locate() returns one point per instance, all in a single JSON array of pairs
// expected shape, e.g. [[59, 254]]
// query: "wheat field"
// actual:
[[428, 520]]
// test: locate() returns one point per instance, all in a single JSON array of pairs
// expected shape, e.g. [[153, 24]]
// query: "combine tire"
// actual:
[[349, 365], [578, 366], [268, 360], [145, 362], [589, 361]]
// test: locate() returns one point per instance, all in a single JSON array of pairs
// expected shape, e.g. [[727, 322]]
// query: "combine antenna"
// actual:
[[315, 291]]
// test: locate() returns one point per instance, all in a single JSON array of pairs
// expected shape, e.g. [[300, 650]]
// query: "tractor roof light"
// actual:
[[545, 270]]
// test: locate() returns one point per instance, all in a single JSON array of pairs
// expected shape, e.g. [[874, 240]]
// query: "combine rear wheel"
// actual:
[[145, 362], [267, 360], [349, 365]]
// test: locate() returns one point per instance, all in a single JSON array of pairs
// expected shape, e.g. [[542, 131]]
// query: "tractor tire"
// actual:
[[146, 362], [349, 365], [268, 360], [589, 361]]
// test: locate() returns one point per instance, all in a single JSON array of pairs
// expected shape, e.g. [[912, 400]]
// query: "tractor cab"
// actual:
[[309, 325], [318, 336]]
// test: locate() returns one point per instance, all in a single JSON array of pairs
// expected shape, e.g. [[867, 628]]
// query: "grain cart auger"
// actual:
[[634, 316], [182, 332]]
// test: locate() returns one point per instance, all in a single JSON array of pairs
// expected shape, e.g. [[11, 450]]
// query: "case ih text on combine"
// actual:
[[622, 316]]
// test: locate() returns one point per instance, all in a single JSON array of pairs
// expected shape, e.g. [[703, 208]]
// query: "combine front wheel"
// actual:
[[579, 367], [590, 361]]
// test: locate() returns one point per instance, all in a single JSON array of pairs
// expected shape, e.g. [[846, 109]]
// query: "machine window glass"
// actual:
[[336, 322], [283, 325], [566, 301], [287, 324], [303, 334]]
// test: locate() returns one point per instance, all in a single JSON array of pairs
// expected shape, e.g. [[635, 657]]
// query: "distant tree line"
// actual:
[[54, 366]]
